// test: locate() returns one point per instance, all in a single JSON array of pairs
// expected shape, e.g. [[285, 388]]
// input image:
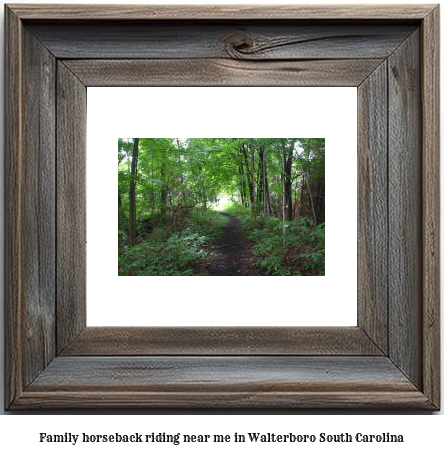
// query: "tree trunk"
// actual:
[[163, 195], [264, 187], [243, 189], [309, 191], [267, 194], [320, 201], [279, 198], [288, 198], [204, 195], [259, 184], [302, 197], [153, 205], [283, 198], [247, 171], [252, 176], [132, 196], [120, 223]]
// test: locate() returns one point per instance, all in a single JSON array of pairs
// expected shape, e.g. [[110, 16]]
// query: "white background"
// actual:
[[19, 433], [208, 112]]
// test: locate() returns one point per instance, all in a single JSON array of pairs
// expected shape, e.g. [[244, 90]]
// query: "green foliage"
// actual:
[[209, 222], [175, 255], [179, 179], [166, 254], [243, 213], [314, 239], [302, 254], [236, 209]]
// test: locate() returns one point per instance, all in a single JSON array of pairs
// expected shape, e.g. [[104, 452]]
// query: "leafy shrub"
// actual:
[[304, 244], [164, 253], [174, 256]]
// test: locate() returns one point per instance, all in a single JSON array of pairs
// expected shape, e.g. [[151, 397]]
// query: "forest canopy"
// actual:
[[182, 201]]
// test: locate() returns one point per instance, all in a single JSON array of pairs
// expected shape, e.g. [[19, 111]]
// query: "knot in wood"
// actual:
[[239, 46]]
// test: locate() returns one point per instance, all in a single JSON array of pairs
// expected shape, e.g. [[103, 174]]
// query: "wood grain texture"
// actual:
[[256, 400], [30, 205], [209, 373], [431, 206], [263, 40], [13, 208], [127, 341], [71, 206], [405, 209], [208, 381], [221, 72], [38, 222], [372, 207], [220, 12]]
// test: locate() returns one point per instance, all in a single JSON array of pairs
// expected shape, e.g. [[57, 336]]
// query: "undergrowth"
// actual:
[[163, 253], [301, 251]]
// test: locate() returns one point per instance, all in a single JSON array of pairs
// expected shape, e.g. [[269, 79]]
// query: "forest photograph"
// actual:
[[221, 206]]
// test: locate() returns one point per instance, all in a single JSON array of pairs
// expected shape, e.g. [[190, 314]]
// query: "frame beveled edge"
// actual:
[[220, 12], [79, 341], [430, 74], [18, 396]]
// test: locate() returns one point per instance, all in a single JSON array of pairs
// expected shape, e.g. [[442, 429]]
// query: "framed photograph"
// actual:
[[390, 359]]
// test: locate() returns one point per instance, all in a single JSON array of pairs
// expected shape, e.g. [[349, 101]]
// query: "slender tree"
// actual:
[[252, 177], [248, 173], [132, 195], [163, 194], [283, 193], [308, 188], [262, 157]]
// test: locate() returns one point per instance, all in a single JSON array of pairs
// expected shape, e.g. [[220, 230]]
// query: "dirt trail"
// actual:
[[233, 250]]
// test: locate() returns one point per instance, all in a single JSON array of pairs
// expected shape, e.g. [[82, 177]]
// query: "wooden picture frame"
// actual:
[[390, 360]]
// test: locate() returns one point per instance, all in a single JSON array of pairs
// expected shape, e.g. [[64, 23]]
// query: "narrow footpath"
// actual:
[[233, 250]]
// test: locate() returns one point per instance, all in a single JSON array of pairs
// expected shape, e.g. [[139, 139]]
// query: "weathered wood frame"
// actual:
[[390, 360]]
